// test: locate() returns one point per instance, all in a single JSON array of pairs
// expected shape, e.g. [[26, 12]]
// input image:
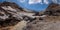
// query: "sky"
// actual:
[[35, 5]]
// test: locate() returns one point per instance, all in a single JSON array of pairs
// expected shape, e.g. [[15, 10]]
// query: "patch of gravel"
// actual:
[[43, 25], [20, 25]]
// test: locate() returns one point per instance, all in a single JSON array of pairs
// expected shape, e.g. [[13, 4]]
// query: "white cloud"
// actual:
[[38, 1], [22, 1], [46, 1], [56, 1], [34, 1]]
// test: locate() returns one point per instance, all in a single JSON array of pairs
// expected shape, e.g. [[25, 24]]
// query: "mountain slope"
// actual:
[[50, 22]]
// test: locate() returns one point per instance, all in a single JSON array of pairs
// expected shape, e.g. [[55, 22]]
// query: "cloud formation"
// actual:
[[38, 1], [56, 1]]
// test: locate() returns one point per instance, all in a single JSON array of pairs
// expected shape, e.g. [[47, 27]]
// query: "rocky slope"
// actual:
[[14, 17], [11, 14], [49, 22]]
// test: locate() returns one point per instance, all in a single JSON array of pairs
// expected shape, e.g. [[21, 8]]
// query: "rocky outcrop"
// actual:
[[53, 9], [9, 15]]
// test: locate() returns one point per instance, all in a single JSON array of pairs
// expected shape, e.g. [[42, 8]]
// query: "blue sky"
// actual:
[[36, 7]]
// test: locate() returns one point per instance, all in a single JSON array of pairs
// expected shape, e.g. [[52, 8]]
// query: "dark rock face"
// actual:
[[7, 11], [53, 9], [13, 5], [11, 14]]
